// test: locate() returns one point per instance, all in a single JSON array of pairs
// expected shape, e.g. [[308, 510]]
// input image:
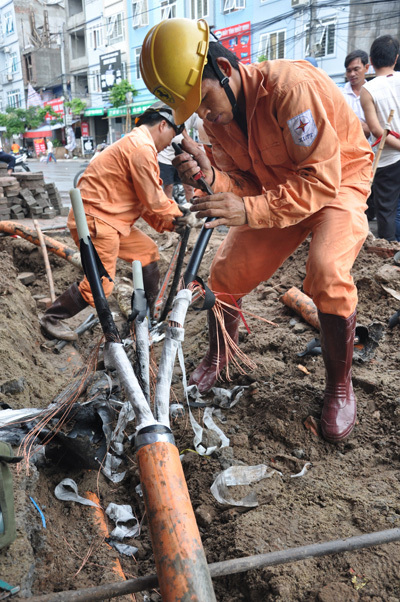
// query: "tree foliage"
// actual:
[[119, 92], [17, 121], [77, 105]]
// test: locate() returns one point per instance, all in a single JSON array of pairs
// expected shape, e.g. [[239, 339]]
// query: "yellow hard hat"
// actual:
[[172, 60]]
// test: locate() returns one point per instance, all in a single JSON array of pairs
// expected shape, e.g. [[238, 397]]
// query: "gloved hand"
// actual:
[[139, 305], [186, 219]]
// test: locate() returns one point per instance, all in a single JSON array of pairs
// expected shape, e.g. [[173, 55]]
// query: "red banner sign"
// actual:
[[84, 129], [237, 39], [58, 107], [40, 146]]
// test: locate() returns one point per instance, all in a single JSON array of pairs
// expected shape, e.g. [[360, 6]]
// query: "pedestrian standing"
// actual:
[[378, 97], [292, 160]]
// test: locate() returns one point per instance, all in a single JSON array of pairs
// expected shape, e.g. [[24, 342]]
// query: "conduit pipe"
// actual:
[[52, 245], [179, 555], [230, 567]]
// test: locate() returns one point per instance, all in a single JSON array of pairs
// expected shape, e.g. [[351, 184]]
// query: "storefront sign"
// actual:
[[237, 39], [93, 111], [87, 145], [84, 129], [58, 107], [135, 109], [110, 70], [40, 146]]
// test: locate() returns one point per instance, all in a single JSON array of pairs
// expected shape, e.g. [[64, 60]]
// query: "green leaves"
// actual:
[[119, 92]]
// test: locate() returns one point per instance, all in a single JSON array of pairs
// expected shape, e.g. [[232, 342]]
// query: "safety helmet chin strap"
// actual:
[[224, 82]]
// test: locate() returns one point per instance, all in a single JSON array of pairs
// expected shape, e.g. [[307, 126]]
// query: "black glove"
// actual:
[[139, 306]]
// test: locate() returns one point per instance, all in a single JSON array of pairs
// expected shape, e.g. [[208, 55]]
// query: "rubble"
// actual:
[[26, 195]]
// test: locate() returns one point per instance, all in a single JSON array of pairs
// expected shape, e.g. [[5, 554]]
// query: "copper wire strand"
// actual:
[[26, 448]]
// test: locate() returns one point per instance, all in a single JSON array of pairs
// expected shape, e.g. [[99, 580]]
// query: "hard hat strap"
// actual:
[[224, 82]]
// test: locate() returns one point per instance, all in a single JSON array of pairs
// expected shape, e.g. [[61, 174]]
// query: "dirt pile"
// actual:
[[349, 489]]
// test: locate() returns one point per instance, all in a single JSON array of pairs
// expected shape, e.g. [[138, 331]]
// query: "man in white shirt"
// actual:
[[378, 97], [356, 65]]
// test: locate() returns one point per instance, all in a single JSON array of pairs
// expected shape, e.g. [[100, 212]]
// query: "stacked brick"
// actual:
[[26, 195]]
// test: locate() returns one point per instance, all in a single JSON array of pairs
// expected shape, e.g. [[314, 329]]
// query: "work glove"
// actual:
[[139, 305], [187, 219]]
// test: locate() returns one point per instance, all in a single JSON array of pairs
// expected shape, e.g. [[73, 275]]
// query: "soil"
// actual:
[[350, 488]]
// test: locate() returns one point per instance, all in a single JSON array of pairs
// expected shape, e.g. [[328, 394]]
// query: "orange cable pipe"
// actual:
[[302, 305], [180, 560], [100, 522], [52, 245]]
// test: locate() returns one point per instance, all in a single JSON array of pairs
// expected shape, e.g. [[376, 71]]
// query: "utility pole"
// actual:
[[313, 29]]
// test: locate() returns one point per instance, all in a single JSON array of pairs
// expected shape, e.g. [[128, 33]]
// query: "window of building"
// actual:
[[140, 13], [96, 37], [325, 38], [14, 99], [272, 45], [115, 30], [28, 67], [9, 22], [229, 6], [14, 62], [199, 9], [137, 59], [94, 81], [168, 9]]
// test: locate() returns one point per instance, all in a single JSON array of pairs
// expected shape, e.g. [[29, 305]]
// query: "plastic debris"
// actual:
[[122, 548], [120, 513], [224, 398], [210, 424], [176, 410], [302, 472], [63, 492], [109, 468], [239, 475]]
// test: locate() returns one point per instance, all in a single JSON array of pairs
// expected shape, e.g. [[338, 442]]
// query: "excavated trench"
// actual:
[[348, 489]]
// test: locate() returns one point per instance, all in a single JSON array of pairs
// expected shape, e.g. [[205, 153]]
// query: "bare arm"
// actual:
[[372, 120]]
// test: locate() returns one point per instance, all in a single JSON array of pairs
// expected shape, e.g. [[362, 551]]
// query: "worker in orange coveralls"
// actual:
[[121, 185], [292, 161]]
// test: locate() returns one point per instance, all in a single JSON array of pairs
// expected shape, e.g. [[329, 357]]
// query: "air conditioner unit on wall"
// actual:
[[6, 49], [299, 2], [10, 77]]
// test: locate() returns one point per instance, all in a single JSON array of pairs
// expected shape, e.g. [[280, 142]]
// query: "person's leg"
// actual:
[[338, 234], [398, 221], [167, 175], [106, 242], [139, 246], [245, 258], [386, 189]]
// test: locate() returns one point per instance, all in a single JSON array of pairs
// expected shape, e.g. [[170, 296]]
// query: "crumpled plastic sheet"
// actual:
[[227, 399], [67, 491], [239, 475], [120, 513], [110, 466], [122, 548], [126, 415]]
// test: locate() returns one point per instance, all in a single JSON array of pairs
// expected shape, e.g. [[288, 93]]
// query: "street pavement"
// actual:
[[61, 173]]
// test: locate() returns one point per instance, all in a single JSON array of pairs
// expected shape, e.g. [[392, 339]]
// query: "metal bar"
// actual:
[[231, 567]]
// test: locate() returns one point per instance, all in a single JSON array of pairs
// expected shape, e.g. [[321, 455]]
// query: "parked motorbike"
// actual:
[[20, 161]]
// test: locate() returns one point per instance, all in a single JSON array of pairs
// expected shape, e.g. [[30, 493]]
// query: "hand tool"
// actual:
[[205, 233]]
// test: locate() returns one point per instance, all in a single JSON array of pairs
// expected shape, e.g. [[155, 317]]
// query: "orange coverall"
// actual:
[[305, 168], [121, 185]]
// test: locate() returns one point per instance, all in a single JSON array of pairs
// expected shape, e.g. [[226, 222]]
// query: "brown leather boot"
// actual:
[[151, 283], [207, 372], [340, 408], [65, 306]]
